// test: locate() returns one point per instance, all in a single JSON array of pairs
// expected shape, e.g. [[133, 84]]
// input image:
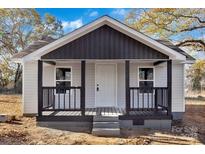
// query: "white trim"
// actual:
[[189, 62], [146, 80], [100, 60], [105, 20], [116, 79]]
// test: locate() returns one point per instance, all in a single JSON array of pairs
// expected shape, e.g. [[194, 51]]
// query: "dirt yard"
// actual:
[[23, 130]]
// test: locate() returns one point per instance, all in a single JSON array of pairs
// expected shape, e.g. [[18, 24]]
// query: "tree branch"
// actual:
[[192, 28], [186, 16], [157, 25], [202, 23], [191, 43]]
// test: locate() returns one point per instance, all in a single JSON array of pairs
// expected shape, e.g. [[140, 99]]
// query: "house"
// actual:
[[103, 77]]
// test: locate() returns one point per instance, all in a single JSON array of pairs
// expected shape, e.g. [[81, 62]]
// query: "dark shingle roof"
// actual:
[[34, 46], [174, 47]]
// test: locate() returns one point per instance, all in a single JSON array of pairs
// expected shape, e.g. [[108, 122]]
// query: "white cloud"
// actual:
[[120, 12], [71, 25], [93, 14]]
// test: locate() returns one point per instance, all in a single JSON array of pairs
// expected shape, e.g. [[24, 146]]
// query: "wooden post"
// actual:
[[82, 98], [40, 90], [169, 85], [155, 100], [127, 85]]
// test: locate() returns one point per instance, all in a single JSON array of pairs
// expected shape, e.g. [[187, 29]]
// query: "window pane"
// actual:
[[146, 73], [68, 75], [63, 74]]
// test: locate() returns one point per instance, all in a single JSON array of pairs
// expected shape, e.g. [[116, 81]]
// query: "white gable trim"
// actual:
[[105, 20]]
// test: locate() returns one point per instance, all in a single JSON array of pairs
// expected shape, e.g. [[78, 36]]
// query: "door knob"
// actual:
[[97, 87]]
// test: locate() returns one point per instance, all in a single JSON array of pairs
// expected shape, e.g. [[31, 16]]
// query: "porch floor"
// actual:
[[103, 111]]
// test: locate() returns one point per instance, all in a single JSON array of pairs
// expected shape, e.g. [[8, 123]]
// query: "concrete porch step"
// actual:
[[107, 132], [106, 124], [105, 119]]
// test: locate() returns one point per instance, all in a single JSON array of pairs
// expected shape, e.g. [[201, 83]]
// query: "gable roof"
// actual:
[[42, 47], [104, 43]]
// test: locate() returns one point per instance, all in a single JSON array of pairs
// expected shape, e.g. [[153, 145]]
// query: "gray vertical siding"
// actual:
[[105, 43]]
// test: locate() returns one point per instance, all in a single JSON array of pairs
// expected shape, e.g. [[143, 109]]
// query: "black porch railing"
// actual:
[[61, 99], [69, 99], [148, 98]]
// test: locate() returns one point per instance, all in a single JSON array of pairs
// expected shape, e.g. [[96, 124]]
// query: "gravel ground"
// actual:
[[23, 130]]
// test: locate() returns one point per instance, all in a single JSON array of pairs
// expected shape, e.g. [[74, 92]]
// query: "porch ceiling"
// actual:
[[136, 61]]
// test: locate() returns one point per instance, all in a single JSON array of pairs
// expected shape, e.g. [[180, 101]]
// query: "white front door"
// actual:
[[105, 85]]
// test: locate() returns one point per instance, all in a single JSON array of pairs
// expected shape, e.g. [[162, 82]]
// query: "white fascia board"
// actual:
[[189, 61], [96, 24]]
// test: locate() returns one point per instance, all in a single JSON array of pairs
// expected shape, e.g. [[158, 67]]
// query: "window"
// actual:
[[63, 78], [146, 79]]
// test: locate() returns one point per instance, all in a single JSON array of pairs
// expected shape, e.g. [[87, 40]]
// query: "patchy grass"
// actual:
[[11, 105], [23, 130], [193, 101]]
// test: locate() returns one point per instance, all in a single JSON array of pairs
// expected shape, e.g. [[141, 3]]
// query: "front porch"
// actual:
[[69, 103]]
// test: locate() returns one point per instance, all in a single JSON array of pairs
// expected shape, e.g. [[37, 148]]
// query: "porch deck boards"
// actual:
[[103, 111]]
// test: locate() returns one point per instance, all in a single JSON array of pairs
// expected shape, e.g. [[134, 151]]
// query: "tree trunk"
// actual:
[[18, 75]]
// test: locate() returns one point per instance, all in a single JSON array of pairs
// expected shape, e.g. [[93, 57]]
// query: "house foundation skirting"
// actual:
[[177, 115], [147, 124], [86, 126], [75, 126]]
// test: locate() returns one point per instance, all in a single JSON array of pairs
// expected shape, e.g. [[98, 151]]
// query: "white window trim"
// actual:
[[146, 80], [71, 78]]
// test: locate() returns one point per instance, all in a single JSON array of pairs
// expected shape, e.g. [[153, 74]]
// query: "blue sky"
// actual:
[[75, 18]]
